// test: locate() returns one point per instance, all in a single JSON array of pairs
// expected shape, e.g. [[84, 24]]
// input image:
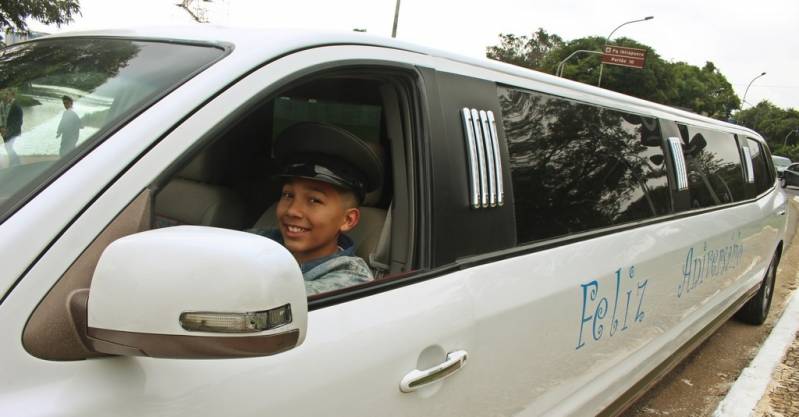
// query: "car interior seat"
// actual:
[[192, 196]]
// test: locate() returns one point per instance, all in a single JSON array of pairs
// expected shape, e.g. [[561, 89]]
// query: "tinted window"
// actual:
[[577, 167], [713, 159], [762, 178]]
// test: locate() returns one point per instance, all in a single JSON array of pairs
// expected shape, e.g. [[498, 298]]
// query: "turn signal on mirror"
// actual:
[[249, 322]]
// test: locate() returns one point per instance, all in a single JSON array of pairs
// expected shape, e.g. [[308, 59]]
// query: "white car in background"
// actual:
[[780, 163]]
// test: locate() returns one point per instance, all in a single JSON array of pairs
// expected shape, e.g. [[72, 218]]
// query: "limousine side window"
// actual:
[[715, 173], [577, 167], [762, 178]]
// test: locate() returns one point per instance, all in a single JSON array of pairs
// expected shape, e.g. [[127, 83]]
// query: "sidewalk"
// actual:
[[769, 386], [782, 395]]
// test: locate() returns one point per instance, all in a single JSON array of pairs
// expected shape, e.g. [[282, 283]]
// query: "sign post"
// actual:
[[624, 56]]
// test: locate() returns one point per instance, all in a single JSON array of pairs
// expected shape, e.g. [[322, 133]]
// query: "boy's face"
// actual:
[[311, 214]]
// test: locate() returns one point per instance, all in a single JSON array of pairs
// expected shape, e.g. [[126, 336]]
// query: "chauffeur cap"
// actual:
[[329, 154]]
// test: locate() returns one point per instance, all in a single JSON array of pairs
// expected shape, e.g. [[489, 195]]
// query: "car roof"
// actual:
[[255, 46]]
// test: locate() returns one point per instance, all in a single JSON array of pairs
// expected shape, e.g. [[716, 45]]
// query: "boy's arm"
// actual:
[[337, 273]]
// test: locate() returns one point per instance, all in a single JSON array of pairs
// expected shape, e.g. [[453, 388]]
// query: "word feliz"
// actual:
[[708, 264], [594, 312]]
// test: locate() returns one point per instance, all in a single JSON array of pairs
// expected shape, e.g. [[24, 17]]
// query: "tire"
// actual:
[[755, 311]]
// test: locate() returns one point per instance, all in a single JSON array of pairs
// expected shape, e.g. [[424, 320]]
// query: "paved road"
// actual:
[[696, 386]]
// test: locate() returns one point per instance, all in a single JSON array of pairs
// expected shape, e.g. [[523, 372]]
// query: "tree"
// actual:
[[13, 13], [703, 90], [523, 51], [774, 124], [654, 82]]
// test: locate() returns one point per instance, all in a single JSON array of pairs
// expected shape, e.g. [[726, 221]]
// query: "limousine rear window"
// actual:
[[104, 81], [762, 178], [577, 167], [715, 173]]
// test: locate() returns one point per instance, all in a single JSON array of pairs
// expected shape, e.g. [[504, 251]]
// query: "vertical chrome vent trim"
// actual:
[[490, 161], [497, 158], [471, 146], [750, 169], [679, 163], [481, 158]]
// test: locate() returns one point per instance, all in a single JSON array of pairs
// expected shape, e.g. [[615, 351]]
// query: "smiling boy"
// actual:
[[327, 172]]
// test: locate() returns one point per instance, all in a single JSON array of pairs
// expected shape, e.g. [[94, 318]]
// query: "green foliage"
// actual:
[[13, 13], [81, 65], [523, 51], [775, 124], [702, 90]]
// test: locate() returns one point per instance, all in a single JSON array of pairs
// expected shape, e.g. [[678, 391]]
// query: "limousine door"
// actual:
[[399, 352]]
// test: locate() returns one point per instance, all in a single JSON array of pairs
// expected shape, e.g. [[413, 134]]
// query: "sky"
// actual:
[[743, 38]]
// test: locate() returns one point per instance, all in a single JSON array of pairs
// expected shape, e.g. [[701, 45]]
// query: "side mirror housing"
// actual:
[[196, 292]]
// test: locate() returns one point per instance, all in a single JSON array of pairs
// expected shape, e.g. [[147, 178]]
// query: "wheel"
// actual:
[[755, 311]]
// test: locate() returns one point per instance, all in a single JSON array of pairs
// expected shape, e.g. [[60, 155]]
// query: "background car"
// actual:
[[790, 176], [780, 163]]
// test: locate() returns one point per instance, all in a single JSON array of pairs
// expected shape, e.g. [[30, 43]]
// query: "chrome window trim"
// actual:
[[679, 163], [750, 169], [468, 128], [490, 159], [497, 158], [481, 158]]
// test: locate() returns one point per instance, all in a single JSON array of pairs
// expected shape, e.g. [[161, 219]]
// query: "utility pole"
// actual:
[[396, 18]]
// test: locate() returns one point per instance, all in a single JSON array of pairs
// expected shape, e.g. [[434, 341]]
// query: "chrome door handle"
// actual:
[[416, 379]]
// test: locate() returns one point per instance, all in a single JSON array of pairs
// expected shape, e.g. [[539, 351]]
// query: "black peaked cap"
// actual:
[[329, 154]]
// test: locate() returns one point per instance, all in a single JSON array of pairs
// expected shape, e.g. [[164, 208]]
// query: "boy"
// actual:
[[327, 172]]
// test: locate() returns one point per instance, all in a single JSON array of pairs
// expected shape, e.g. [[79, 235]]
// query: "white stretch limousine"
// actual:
[[538, 246]]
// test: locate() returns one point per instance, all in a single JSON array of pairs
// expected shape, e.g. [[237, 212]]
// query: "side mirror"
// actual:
[[196, 292]]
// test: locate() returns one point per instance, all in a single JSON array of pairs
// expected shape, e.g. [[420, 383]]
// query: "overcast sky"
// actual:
[[743, 38]]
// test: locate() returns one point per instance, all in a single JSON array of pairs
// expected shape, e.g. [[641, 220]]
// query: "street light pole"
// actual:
[[785, 141], [750, 84], [607, 41], [396, 18], [562, 64]]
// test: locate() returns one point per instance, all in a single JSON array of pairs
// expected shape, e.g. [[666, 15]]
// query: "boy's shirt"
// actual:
[[340, 270]]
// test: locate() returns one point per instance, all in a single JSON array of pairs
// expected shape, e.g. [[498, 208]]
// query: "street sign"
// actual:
[[623, 56]]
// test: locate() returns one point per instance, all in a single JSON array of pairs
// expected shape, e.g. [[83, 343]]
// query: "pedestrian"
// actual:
[[13, 124], [69, 127]]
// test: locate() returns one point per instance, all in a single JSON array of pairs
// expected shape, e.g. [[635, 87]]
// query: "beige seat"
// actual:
[[191, 197]]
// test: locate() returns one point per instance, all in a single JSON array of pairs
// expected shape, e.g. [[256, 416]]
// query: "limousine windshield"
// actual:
[[60, 95]]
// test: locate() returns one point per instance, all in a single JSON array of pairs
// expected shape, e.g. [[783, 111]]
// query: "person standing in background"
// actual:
[[13, 124], [68, 128]]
